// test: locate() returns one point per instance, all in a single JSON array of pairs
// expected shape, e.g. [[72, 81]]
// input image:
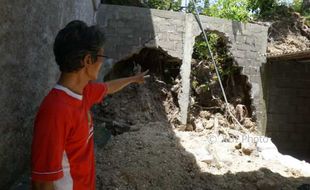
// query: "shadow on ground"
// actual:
[[152, 157]]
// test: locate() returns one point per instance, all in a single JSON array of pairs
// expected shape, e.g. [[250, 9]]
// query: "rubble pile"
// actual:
[[288, 34], [210, 152], [221, 145]]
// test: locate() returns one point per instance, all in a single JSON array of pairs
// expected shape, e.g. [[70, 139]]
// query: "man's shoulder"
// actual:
[[53, 102]]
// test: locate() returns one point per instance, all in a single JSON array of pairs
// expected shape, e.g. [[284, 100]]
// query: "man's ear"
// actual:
[[87, 60]]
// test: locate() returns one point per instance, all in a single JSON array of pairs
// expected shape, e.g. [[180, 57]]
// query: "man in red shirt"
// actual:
[[63, 145]]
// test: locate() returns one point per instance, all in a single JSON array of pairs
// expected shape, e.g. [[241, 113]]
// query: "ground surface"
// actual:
[[156, 155]]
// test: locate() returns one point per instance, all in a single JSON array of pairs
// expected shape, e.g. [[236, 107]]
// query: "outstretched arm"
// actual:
[[119, 84]]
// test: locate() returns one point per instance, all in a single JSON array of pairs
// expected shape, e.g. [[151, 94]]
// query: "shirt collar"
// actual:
[[68, 91]]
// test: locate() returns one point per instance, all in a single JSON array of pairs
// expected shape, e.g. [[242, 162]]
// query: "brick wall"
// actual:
[[129, 29], [288, 106]]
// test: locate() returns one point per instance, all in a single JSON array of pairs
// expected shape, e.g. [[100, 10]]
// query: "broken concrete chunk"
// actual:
[[248, 148], [198, 125], [189, 127], [247, 123], [205, 114], [209, 123], [247, 151], [181, 127], [241, 112], [238, 146]]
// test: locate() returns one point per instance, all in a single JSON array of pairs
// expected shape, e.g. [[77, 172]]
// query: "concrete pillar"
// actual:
[[188, 41]]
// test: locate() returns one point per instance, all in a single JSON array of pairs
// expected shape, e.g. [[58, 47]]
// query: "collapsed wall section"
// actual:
[[204, 80], [129, 29], [247, 44]]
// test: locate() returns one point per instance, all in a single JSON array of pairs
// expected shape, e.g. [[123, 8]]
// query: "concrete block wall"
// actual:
[[129, 29], [28, 71], [248, 43], [288, 107]]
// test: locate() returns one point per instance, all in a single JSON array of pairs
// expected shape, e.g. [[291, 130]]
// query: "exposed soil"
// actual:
[[158, 153], [288, 34]]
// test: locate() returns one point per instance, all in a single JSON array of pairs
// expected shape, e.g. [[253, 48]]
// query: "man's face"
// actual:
[[92, 69]]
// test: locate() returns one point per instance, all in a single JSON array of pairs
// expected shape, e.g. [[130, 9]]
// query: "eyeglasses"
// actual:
[[104, 56], [107, 60]]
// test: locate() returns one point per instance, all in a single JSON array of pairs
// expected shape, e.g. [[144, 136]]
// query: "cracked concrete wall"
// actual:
[[27, 32], [129, 29]]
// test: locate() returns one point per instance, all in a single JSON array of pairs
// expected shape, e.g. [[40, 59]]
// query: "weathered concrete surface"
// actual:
[[288, 106], [186, 68], [28, 71], [129, 29]]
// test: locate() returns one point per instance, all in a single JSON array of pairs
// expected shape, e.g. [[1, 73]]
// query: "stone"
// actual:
[[248, 123], [248, 148], [181, 127], [209, 124], [241, 112], [222, 122], [205, 114], [238, 146], [198, 125], [189, 127]]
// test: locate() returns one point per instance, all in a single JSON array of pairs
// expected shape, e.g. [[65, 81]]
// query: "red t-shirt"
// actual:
[[63, 143]]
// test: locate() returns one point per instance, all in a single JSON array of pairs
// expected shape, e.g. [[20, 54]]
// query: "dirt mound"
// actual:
[[159, 154], [288, 34]]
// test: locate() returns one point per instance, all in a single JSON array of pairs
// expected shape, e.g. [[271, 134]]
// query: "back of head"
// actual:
[[74, 42]]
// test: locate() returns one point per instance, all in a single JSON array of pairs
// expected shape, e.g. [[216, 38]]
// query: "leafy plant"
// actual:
[[230, 9], [220, 53], [297, 5], [125, 2], [164, 4]]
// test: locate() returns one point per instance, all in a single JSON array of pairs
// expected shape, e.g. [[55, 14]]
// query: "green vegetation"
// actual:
[[164, 4], [240, 10], [297, 6], [231, 9], [220, 53], [136, 3]]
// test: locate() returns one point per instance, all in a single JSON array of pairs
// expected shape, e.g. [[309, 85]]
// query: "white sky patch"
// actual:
[[185, 2], [287, 2], [280, 1]]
